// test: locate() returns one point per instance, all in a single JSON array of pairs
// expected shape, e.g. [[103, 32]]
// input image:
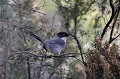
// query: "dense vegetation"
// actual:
[[92, 53]]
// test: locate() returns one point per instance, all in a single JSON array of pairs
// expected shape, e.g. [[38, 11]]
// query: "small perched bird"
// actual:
[[54, 45]]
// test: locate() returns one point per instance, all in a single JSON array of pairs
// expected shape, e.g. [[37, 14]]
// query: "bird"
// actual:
[[54, 45]]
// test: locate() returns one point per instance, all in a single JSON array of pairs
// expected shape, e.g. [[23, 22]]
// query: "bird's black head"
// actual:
[[62, 34]]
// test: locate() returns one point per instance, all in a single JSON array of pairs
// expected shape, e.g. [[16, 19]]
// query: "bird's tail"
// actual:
[[37, 37]]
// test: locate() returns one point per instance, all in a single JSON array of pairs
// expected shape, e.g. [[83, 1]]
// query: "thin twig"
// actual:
[[29, 70], [111, 34]]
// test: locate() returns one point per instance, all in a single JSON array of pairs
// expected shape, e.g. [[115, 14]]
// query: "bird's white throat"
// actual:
[[64, 39]]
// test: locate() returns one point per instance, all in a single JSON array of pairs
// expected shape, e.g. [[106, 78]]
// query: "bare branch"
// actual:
[[115, 38], [110, 20], [26, 54], [76, 39], [28, 66], [111, 39]]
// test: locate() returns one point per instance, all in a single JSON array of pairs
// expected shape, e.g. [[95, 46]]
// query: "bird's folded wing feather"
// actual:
[[56, 41]]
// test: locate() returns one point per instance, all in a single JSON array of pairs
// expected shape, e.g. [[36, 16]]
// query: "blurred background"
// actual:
[[92, 53]]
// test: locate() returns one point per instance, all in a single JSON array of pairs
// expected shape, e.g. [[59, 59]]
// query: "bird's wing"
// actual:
[[56, 41], [55, 45]]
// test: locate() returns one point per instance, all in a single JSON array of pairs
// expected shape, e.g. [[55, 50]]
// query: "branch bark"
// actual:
[[113, 26], [76, 39], [110, 20], [28, 66]]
